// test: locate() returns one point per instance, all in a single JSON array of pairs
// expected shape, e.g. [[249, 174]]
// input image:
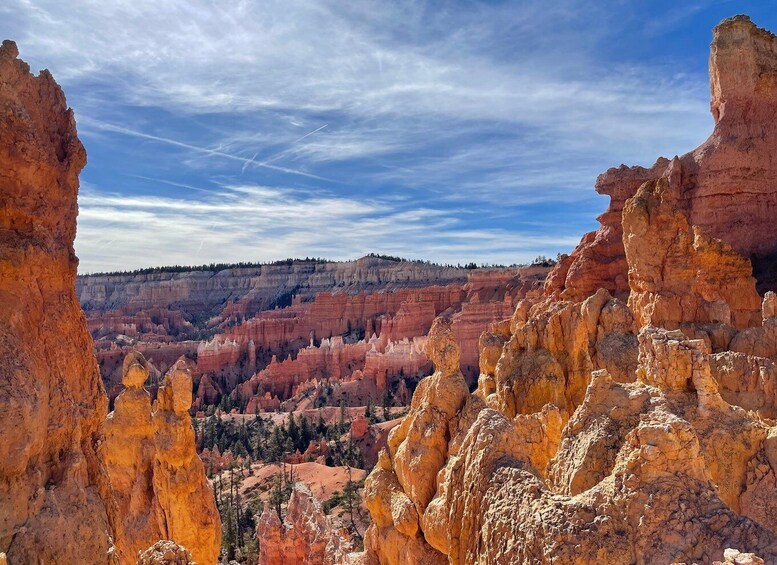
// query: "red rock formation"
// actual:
[[382, 298], [728, 186], [306, 535], [367, 369], [208, 392], [53, 486], [156, 477], [373, 439], [188, 510], [678, 274], [604, 431]]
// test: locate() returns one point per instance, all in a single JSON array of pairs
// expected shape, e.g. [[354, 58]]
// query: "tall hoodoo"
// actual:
[[157, 478], [52, 403], [727, 186], [621, 418], [130, 452], [189, 515], [63, 497]]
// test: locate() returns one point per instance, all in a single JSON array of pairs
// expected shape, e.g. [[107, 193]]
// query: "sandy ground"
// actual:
[[322, 480]]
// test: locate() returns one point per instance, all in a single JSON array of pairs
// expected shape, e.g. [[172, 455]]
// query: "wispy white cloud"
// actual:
[[397, 127], [264, 223], [406, 61]]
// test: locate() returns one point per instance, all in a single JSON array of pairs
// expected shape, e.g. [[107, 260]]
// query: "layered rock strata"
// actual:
[[394, 300]]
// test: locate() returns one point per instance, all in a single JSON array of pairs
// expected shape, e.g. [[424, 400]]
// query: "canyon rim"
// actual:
[[617, 405]]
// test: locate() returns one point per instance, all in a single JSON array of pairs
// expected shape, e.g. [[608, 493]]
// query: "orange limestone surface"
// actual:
[[68, 493], [626, 415], [55, 504], [157, 478]]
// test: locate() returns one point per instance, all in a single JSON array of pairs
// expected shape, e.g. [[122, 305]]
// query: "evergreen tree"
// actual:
[[292, 430], [321, 426], [305, 434], [288, 446], [350, 499], [386, 405], [277, 496], [342, 425], [369, 411]]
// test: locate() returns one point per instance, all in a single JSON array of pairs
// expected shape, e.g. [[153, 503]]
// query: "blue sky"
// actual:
[[453, 131]]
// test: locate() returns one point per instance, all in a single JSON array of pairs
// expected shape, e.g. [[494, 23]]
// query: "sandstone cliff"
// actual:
[[624, 416], [54, 497], [59, 501]]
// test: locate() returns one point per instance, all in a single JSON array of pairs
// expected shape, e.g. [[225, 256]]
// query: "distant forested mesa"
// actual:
[[540, 260]]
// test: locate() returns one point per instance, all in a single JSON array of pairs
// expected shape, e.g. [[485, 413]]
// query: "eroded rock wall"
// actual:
[[623, 417], [54, 498]]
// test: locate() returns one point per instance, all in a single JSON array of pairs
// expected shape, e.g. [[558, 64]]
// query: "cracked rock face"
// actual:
[[622, 417], [55, 506]]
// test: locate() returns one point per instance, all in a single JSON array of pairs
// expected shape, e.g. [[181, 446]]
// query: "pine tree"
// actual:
[[277, 498], [351, 499], [292, 429], [342, 425], [369, 411], [386, 404], [321, 427]]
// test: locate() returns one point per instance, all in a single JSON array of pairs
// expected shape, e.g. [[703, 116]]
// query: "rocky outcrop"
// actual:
[[55, 504], [157, 479], [371, 366], [165, 552], [620, 418], [399, 491], [129, 452], [306, 535], [727, 187], [678, 274], [188, 510]]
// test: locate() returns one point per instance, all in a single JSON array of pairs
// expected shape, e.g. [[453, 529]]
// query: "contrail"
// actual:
[[245, 165], [290, 149], [310, 133], [118, 129], [171, 183]]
